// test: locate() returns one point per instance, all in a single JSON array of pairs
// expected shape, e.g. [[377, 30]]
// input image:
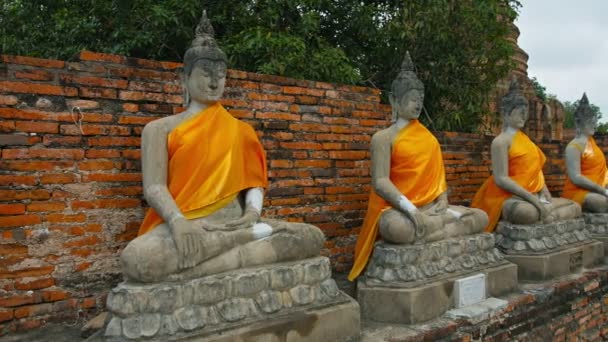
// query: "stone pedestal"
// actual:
[[291, 301], [546, 251], [597, 225], [413, 284]]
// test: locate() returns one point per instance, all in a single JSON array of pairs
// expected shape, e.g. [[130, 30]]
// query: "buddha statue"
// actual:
[[203, 176], [408, 201], [516, 191], [586, 164]]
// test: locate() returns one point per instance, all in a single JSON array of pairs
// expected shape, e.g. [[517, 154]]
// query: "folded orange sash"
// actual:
[[593, 166], [417, 170], [526, 162], [212, 157]]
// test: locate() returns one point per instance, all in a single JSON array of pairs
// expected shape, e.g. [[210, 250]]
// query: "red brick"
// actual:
[[313, 163], [61, 141], [45, 206], [36, 75], [95, 154], [36, 284], [13, 195], [120, 191], [115, 141], [18, 300], [35, 165], [12, 209], [19, 220], [6, 315], [135, 120], [63, 218], [94, 81], [82, 266], [39, 62], [82, 104], [35, 88], [54, 295], [17, 180], [130, 107], [102, 93], [90, 165], [278, 116], [8, 100], [106, 204], [37, 127], [356, 155], [101, 57], [43, 153], [131, 154], [88, 303], [27, 272], [58, 178], [113, 177]]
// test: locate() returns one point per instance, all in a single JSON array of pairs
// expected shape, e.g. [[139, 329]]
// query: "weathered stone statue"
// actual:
[[408, 209], [586, 166], [203, 174], [533, 222]]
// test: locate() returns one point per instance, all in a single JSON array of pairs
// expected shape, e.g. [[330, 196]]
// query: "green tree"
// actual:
[[460, 46]]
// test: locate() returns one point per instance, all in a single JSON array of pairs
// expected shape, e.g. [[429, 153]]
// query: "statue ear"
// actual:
[[185, 94]]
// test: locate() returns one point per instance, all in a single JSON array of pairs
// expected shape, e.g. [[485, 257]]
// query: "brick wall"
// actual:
[[70, 182]]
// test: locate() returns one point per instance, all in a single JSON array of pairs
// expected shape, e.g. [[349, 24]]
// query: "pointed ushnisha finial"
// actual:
[[584, 99], [407, 64], [204, 27]]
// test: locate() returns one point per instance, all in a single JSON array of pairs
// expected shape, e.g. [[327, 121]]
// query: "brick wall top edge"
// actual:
[[90, 56]]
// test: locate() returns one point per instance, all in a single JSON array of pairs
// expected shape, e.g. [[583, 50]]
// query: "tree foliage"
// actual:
[[460, 46]]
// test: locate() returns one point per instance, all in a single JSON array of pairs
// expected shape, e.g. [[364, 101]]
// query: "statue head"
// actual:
[[407, 92], [204, 66], [514, 107], [585, 118]]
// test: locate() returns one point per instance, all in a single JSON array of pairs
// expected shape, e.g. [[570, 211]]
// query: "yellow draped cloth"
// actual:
[[212, 157], [417, 170], [526, 162], [593, 166]]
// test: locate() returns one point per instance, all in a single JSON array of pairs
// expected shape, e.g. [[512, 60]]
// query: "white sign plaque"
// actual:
[[469, 290]]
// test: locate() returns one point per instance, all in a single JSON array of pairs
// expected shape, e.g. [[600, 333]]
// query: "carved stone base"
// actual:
[[425, 302], [292, 295], [540, 238], [565, 261], [412, 284], [597, 224]]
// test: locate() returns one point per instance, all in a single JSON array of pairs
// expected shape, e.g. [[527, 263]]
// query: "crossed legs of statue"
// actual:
[[519, 211], [395, 227], [595, 203], [153, 257]]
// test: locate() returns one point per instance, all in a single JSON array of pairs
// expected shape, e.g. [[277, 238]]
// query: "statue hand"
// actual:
[[187, 241], [418, 221], [544, 193], [542, 210], [249, 218]]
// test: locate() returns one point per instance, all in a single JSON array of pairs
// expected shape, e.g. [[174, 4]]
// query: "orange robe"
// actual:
[[526, 162], [417, 170], [593, 166], [212, 157]]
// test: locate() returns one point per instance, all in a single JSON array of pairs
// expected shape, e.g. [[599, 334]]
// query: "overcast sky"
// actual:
[[568, 46]]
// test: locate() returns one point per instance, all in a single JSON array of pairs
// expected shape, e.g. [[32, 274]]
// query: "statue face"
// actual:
[[206, 82], [518, 117], [409, 105], [588, 127]]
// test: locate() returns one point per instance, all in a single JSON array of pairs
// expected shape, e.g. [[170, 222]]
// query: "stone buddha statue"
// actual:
[[204, 172], [586, 164], [516, 191], [408, 202]]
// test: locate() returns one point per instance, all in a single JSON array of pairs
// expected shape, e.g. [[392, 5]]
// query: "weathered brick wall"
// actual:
[[70, 183]]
